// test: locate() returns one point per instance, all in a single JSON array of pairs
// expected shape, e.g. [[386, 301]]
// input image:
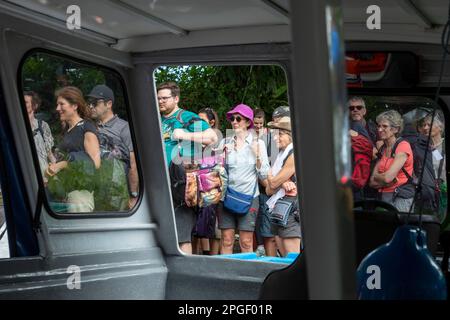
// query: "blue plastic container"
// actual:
[[253, 256], [401, 269]]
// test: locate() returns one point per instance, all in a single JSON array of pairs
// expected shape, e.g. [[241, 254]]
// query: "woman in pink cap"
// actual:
[[246, 161]]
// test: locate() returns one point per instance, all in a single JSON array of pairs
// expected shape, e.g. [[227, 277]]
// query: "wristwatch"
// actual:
[[134, 194]]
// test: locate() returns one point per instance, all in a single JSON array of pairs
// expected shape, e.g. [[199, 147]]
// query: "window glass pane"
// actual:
[[78, 117], [228, 142], [388, 129]]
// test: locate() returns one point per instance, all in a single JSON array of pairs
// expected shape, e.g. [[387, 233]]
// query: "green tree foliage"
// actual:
[[223, 87], [45, 73]]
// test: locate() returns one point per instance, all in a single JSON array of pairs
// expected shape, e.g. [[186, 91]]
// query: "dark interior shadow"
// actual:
[[287, 284], [375, 223]]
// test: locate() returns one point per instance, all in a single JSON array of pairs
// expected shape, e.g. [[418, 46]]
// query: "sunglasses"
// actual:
[[238, 119], [352, 108], [93, 103]]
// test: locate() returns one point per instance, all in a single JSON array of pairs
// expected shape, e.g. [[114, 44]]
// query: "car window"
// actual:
[[388, 129], [82, 135], [229, 152]]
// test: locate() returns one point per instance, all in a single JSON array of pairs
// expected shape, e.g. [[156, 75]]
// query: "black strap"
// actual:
[[39, 129], [288, 155], [291, 152], [185, 126], [410, 179], [394, 148], [4, 231]]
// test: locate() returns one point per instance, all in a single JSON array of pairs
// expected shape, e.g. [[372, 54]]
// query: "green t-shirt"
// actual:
[[185, 148]]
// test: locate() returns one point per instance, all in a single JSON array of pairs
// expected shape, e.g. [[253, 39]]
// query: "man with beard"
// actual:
[[184, 133]]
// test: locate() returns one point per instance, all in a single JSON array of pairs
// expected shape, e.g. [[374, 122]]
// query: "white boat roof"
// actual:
[[149, 25]]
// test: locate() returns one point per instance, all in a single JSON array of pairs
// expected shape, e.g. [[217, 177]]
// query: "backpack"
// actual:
[[428, 197], [212, 181], [361, 161], [205, 183], [39, 129], [177, 172], [205, 225]]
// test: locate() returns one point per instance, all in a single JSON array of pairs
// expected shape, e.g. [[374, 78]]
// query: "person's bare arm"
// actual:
[[92, 147], [206, 137], [263, 182], [388, 177], [51, 157], [284, 175], [270, 191], [54, 168], [372, 182], [133, 179]]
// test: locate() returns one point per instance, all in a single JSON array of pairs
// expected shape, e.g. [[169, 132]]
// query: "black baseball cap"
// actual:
[[102, 92]]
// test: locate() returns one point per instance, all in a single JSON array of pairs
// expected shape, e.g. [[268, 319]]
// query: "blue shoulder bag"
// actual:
[[238, 202]]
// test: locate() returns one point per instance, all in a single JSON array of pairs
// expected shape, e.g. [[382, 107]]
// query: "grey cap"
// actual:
[[102, 92], [282, 111]]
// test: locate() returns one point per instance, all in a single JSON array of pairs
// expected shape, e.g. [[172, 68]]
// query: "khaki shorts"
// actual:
[[229, 220], [291, 230]]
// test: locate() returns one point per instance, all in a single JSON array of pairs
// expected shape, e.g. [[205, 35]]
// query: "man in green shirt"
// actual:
[[184, 135]]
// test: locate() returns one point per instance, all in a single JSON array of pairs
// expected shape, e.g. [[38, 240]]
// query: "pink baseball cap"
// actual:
[[244, 111]]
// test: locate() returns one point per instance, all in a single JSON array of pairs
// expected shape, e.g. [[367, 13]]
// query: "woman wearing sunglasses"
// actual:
[[246, 160], [396, 159]]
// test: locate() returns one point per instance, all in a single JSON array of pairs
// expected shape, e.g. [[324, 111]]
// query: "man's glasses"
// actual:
[[352, 108], [94, 103], [164, 98], [238, 119]]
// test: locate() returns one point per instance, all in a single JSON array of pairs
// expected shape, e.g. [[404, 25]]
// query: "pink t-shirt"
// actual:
[[386, 162]]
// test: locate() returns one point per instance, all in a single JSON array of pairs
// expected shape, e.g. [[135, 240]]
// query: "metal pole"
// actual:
[[321, 127]]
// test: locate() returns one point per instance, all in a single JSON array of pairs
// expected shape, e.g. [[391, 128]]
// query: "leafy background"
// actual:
[[45, 74], [218, 87], [223, 87]]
